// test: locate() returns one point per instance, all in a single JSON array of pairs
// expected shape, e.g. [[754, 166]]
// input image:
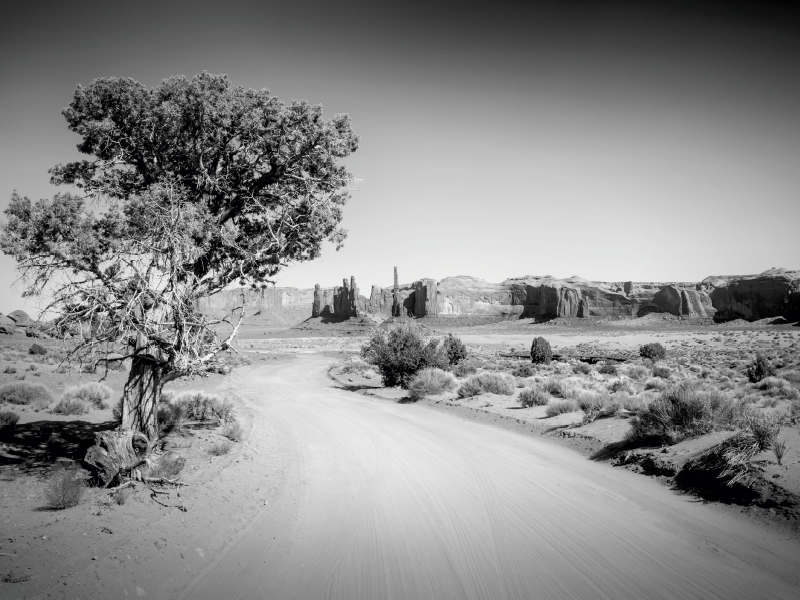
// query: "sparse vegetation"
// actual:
[[24, 393], [487, 383], [463, 369], [64, 489], [219, 448], [8, 423], [541, 353], [760, 368], [431, 381], [582, 368], [533, 396], [93, 393], [559, 406], [662, 372], [233, 431], [525, 370], [400, 351], [71, 406], [608, 368], [654, 351], [37, 349], [354, 365]]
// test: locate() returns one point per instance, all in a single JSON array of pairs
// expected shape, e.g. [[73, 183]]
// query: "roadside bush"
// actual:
[[430, 381], [684, 411], [71, 406], [400, 351], [533, 396], [354, 365], [64, 488], [653, 351], [608, 368], [94, 393], [489, 383], [197, 406], [760, 369], [37, 349], [541, 353], [8, 423], [558, 407], [24, 393], [233, 431], [582, 368], [455, 348], [525, 370], [597, 406]]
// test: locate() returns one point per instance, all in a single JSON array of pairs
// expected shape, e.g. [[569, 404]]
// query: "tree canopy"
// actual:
[[191, 186]]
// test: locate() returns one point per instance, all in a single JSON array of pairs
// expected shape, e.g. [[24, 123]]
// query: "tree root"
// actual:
[[162, 481]]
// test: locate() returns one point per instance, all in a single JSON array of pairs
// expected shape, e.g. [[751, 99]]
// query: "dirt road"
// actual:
[[391, 501]]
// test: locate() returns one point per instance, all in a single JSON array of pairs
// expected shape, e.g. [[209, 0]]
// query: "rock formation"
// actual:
[[773, 293], [7, 325]]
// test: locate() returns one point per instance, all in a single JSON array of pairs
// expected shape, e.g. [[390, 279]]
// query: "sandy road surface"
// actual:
[[399, 501]]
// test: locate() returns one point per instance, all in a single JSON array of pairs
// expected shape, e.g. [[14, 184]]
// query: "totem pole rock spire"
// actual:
[[395, 296]]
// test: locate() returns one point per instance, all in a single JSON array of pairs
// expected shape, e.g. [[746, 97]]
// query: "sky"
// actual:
[[644, 141]]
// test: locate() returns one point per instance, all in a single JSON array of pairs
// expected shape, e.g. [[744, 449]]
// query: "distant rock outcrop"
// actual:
[[773, 293], [7, 325], [20, 318]]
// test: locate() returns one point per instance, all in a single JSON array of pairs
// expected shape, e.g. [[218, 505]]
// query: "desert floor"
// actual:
[[337, 494]]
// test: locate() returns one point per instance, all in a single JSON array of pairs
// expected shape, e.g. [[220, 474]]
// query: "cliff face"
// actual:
[[773, 293]]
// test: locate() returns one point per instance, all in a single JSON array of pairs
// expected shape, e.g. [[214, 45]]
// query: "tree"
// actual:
[[192, 186]]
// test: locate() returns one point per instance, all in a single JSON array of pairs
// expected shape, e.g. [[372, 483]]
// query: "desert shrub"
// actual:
[[463, 369], [456, 349], [219, 448], [224, 410], [770, 403], [541, 353], [197, 406], [354, 365], [637, 372], [792, 377], [10, 370], [40, 404], [233, 431], [661, 371], [37, 349], [654, 383], [684, 411], [760, 369], [490, 383], [71, 406], [524, 370], [608, 368], [778, 386], [400, 351], [24, 393], [116, 411], [430, 381], [582, 368], [558, 407], [64, 488], [94, 393], [654, 351], [170, 417], [8, 423], [533, 396], [621, 385]]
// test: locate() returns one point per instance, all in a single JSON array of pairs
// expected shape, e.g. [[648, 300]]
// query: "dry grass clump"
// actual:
[[533, 396], [464, 369], [621, 386], [778, 387], [430, 381], [487, 383], [200, 406], [732, 457], [94, 393], [64, 488], [524, 370], [21, 392], [655, 384], [8, 423], [71, 406], [581, 368], [170, 417], [354, 365], [608, 368], [557, 407], [637, 372], [233, 431], [220, 448], [661, 371], [684, 411]]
